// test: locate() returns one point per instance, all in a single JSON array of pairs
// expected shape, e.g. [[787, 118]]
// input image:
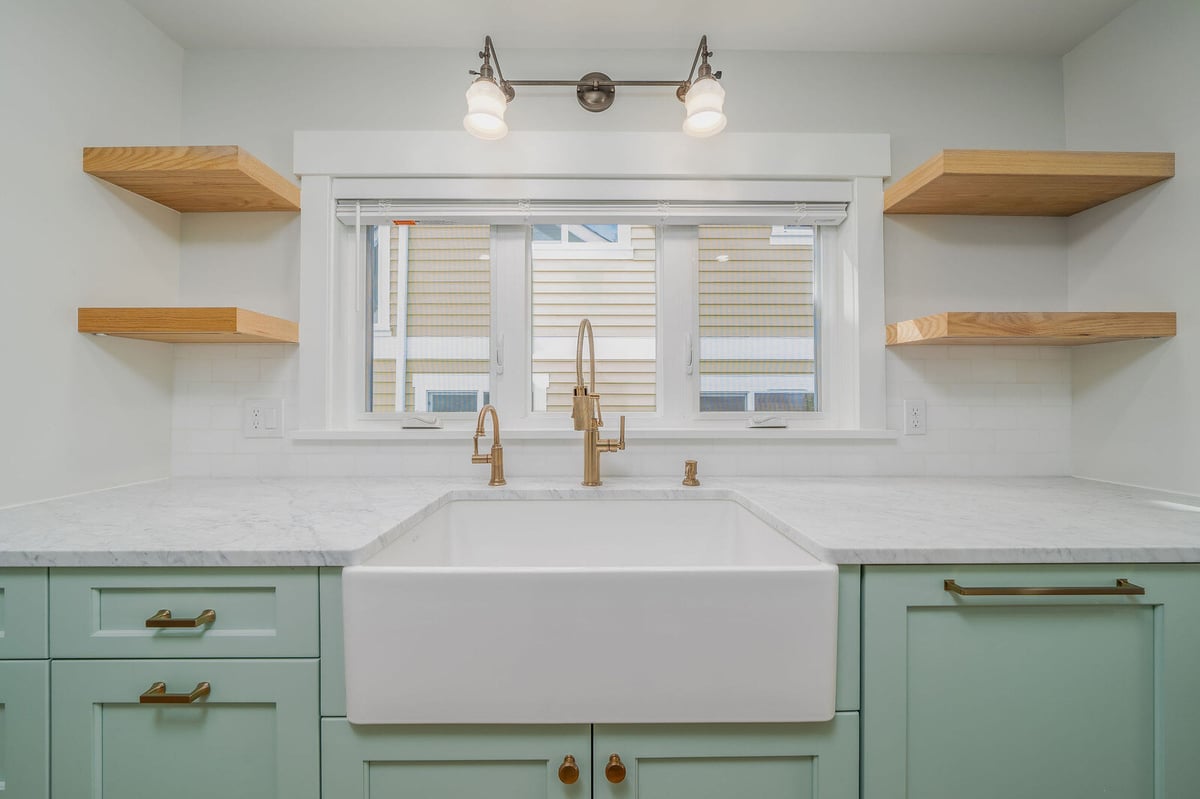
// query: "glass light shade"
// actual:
[[704, 103], [486, 104]]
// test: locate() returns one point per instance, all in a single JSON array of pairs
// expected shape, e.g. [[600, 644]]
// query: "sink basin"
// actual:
[[590, 611]]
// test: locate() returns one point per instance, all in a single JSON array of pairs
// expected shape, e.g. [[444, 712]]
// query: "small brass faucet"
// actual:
[[586, 413], [496, 456]]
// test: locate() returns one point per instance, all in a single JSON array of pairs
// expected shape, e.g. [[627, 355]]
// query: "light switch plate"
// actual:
[[262, 417]]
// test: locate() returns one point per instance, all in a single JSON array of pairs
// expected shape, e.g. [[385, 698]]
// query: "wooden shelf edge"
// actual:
[[1023, 182], [188, 325], [1063, 328], [217, 178]]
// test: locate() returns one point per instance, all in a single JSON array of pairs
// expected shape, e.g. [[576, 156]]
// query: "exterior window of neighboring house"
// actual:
[[607, 273], [758, 319], [431, 287]]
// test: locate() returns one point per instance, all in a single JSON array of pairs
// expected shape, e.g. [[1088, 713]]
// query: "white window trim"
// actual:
[[332, 372]]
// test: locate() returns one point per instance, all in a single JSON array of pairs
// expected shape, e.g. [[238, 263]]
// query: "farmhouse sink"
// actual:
[[590, 611]]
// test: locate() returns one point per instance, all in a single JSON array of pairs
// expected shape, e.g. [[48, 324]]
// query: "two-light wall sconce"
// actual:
[[489, 95]]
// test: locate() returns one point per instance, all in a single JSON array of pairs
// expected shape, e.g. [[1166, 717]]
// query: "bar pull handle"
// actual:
[[689, 364], [157, 694], [164, 619], [1122, 588]]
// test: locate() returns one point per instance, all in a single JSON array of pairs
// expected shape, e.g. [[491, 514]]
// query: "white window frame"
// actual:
[[330, 290]]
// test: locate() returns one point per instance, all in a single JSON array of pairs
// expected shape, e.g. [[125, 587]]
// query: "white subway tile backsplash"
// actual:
[[993, 410]]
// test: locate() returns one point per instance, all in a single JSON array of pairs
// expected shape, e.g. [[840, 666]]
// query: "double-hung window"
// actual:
[[704, 317]]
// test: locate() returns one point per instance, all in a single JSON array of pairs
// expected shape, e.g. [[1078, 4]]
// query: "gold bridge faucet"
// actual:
[[586, 413], [496, 456]]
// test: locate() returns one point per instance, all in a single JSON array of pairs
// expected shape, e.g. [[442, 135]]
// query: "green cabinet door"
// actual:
[[255, 736], [24, 725], [459, 762], [1002, 696], [720, 761]]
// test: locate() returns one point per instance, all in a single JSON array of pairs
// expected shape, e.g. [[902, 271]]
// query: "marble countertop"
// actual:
[[342, 521]]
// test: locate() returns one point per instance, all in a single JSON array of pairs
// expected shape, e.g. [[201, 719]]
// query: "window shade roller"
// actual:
[[522, 212]]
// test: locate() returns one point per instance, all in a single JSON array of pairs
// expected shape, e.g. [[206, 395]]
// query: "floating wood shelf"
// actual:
[[1023, 182], [188, 325], [1055, 329], [221, 178]]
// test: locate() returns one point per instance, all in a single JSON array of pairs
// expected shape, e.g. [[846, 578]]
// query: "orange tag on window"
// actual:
[[404, 221]]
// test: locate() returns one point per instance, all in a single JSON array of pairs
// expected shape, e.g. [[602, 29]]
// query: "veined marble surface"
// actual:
[[342, 521]]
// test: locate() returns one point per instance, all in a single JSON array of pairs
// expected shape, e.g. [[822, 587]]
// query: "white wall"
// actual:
[[992, 410], [81, 412], [1135, 85]]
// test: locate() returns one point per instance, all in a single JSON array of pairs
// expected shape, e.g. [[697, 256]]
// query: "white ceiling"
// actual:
[[1046, 27]]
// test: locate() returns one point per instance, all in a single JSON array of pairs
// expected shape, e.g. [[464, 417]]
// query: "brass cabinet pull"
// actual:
[[568, 772], [157, 694], [164, 619], [614, 772], [1122, 588]]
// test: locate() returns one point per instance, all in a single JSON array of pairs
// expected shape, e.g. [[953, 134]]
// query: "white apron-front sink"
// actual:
[[590, 611]]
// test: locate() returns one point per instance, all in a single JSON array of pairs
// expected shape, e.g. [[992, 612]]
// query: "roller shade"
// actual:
[[521, 212]]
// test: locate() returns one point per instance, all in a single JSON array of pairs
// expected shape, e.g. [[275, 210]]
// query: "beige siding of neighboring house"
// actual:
[[762, 290], [449, 295], [619, 296]]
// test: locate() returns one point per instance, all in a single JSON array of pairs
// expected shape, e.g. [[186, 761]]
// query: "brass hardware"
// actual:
[[689, 473], [568, 772], [157, 694], [1122, 588], [614, 772], [586, 413], [164, 619], [496, 456]]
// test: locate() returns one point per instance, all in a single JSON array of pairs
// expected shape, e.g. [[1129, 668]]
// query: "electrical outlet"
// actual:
[[262, 418], [914, 417]]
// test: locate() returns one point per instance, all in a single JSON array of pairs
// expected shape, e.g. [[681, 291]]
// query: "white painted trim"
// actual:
[[463, 430], [632, 154], [383, 280], [626, 348], [595, 190]]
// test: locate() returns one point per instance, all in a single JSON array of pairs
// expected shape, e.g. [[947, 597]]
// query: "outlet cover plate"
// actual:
[[262, 417]]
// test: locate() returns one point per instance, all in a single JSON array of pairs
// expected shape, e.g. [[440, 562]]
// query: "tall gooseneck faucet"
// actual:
[[496, 456], [586, 413]]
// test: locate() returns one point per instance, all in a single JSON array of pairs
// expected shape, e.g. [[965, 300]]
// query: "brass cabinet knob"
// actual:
[[614, 772], [568, 772]]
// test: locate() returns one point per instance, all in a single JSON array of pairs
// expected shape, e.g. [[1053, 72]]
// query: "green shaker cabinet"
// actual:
[[255, 736], [423, 762], [24, 729], [719, 761], [1000, 694]]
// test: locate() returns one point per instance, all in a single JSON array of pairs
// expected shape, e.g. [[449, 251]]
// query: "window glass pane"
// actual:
[[757, 318], [618, 294], [432, 352], [547, 232], [723, 401]]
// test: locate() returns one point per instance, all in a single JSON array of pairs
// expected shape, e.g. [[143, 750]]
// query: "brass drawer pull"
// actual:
[[568, 772], [157, 694], [614, 772], [163, 619], [1122, 588]]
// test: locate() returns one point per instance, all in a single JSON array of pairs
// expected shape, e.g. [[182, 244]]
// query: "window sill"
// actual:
[[741, 434]]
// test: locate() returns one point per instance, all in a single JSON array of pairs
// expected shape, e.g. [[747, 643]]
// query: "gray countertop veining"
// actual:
[[341, 521]]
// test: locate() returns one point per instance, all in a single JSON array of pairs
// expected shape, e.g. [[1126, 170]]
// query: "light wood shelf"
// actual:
[[1054, 329], [188, 325], [1023, 182], [220, 178]]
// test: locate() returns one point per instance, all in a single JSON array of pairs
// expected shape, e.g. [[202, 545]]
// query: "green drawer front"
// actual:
[[256, 736], [22, 613], [24, 729], [719, 761], [1030, 696], [102, 613], [486, 762]]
